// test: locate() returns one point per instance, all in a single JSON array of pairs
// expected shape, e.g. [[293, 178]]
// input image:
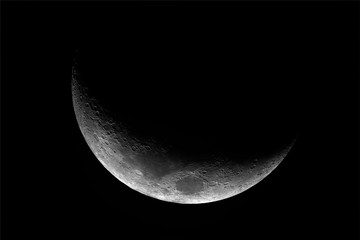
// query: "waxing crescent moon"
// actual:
[[149, 168]]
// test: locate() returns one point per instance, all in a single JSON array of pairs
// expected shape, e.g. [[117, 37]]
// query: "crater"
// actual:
[[190, 185]]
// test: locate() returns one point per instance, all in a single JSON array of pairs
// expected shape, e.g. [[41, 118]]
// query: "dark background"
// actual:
[[52, 184]]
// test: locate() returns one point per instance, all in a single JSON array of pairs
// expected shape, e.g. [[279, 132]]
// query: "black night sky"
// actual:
[[301, 57]]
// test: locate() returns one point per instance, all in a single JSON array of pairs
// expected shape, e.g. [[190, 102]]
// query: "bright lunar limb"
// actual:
[[149, 168]]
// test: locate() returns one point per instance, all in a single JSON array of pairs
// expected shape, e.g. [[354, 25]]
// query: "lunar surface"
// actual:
[[148, 166]]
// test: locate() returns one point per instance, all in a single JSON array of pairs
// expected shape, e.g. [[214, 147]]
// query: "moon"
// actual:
[[153, 168]]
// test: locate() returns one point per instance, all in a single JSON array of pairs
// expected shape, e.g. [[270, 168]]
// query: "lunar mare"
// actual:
[[149, 168]]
